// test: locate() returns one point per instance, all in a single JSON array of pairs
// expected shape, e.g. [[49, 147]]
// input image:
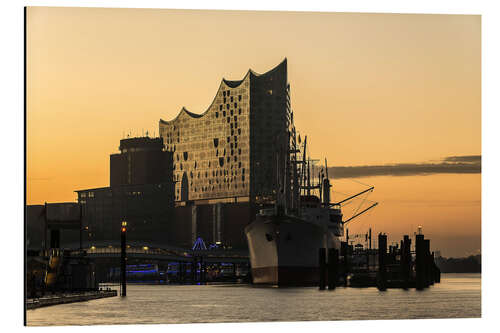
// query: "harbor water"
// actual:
[[457, 296]]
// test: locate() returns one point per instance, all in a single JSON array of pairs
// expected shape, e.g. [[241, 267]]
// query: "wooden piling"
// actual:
[[428, 264], [382, 270], [420, 262], [433, 268], [405, 261], [437, 272], [333, 263], [344, 252], [322, 268]]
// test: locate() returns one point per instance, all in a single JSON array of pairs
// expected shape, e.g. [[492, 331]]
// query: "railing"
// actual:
[[156, 251]]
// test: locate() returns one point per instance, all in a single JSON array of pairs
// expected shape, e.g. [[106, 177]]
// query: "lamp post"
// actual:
[[123, 259]]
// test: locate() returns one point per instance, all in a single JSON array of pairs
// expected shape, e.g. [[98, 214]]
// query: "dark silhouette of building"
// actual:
[[141, 193], [140, 161], [53, 225]]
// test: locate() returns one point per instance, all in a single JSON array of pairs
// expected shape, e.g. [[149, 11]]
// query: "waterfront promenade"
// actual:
[[63, 298]]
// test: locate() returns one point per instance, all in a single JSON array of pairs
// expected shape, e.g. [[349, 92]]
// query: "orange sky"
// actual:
[[367, 89]]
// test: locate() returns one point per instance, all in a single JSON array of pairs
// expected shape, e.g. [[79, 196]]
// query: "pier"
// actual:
[[396, 266]]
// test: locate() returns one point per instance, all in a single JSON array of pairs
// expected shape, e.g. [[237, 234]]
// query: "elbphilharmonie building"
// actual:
[[228, 153]]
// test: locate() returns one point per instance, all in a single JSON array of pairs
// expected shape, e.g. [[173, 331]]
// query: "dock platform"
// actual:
[[34, 303]]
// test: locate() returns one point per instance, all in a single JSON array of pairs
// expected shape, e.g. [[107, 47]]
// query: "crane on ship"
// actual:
[[306, 184], [339, 203]]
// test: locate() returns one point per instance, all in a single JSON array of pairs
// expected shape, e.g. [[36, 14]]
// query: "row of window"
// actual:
[[232, 100], [231, 112]]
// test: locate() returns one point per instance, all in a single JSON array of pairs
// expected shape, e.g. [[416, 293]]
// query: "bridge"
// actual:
[[167, 254], [165, 264]]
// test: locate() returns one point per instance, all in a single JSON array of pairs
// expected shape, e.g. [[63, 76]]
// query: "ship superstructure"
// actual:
[[285, 237]]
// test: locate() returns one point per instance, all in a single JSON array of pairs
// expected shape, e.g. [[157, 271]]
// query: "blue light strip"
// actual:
[[150, 271]]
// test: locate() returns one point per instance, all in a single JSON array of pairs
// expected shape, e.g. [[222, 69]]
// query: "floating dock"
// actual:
[[396, 267]]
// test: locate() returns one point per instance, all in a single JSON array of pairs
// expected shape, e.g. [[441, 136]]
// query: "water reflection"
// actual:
[[457, 296]]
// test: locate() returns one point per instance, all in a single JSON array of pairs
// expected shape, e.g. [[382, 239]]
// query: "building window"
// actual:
[[239, 97]]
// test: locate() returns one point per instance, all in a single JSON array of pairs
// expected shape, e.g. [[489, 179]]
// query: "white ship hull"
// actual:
[[284, 250]]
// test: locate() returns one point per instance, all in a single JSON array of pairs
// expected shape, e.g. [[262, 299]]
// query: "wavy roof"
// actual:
[[230, 84]]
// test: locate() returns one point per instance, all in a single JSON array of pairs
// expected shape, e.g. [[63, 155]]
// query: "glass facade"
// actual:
[[228, 151]]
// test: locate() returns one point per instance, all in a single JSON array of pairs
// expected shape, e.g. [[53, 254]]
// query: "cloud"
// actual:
[[466, 159], [451, 164]]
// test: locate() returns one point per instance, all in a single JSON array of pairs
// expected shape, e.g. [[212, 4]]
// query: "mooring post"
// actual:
[[382, 253], [370, 238], [123, 259], [333, 263], [344, 252], [322, 268], [429, 280], [406, 260], [420, 262], [433, 268], [437, 270]]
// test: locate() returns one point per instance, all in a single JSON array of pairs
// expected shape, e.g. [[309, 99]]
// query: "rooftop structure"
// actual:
[[141, 161]]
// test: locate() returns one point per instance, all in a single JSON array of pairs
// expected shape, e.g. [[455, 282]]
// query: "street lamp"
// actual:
[[123, 259]]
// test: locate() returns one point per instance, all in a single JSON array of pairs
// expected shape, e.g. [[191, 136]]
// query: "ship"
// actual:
[[285, 237]]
